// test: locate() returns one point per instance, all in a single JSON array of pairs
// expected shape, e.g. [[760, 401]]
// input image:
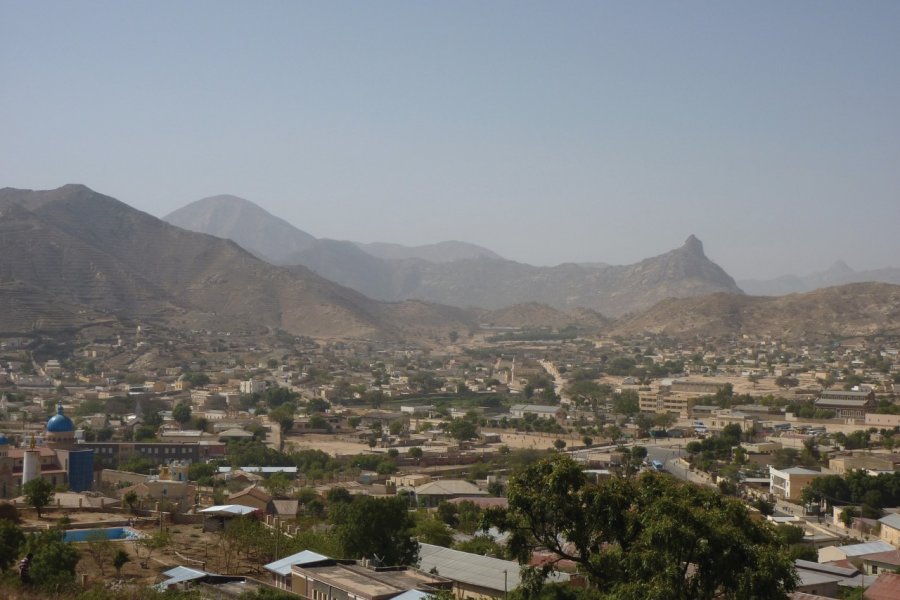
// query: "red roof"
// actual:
[[886, 587]]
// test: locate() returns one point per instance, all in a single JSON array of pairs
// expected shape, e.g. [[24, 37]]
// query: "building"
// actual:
[[281, 568], [111, 454], [664, 401], [788, 484], [847, 404], [519, 411], [253, 386], [890, 529], [350, 580], [435, 492], [473, 575], [838, 553], [55, 457], [887, 463]]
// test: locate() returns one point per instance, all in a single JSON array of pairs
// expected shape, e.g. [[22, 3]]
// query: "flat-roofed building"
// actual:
[[350, 580], [847, 404], [788, 484]]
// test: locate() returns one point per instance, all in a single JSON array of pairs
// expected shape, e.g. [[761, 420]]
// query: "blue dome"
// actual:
[[60, 423], [3, 440]]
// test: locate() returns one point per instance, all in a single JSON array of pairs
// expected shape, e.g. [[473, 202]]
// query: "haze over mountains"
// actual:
[[460, 274], [72, 256], [839, 273]]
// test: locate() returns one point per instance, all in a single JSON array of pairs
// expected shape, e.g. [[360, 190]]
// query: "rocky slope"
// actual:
[[86, 256], [464, 275], [839, 273], [849, 310]]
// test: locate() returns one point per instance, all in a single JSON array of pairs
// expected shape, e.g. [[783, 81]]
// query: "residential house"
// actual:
[[350, 580], [252, 496], [840, 553], [890, 529], [435, 492], [281, 568], [473, 575], [788, 484]]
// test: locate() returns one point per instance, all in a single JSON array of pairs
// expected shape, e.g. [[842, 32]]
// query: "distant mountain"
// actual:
[[242, 221], [458, 273], [496, 283], [275, 240], [71, 256], [849, 310], [442, 252], [837, 274]]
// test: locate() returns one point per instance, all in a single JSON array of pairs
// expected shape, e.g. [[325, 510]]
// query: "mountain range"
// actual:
[[456, 273], [72, 256], [856, 309], [839, 273]]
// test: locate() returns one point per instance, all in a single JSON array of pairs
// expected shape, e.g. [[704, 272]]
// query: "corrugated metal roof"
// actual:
[[179, 575], [449, 487], [866, 548], [283, 566], [412, 595], [892, 520], [228, 509], [473, 569]]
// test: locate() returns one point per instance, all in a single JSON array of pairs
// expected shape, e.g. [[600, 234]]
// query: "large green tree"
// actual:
[[54, 561], [11, 541], [38, 493], [647, 538], [375, 528]]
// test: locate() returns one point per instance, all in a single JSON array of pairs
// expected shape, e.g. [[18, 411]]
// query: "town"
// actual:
[[245, 464]]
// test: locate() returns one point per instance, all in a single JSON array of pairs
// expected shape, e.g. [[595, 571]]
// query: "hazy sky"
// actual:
[[549, 132]]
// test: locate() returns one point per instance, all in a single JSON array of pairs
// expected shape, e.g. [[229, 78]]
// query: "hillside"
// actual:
[[275, 240], [839, 273], [849, 310], [493, 284], [87, 255], [465, 275], [241, 221]]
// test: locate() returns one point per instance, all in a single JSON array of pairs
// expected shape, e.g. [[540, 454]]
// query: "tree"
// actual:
[[648, 538], [433, 531], [182, 413], [38, 493], [559, 444], [463, 429], [848, 515], [100, 549], [278, 484], [54, 561], [144, 547], [415, 452], [121, 557], [11, 541], [626, 403], [130, 498], [377, 528]]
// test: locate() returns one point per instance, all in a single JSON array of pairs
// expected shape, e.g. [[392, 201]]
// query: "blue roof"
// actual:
[[60, 423], [3, 440], [283, 566]]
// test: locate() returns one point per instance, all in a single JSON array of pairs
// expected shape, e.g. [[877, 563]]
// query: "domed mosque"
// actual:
[[58, 459]]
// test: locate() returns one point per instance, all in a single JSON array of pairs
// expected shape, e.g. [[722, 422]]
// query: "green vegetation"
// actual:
[[38, 493], [647, 538]]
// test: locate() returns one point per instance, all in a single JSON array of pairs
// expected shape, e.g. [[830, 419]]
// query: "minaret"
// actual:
[[31, 464]]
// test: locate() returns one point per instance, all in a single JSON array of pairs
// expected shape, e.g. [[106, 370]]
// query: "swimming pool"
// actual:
[[111, 533]]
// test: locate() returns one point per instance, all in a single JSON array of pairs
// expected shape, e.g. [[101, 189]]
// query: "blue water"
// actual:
[[111, 533]]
